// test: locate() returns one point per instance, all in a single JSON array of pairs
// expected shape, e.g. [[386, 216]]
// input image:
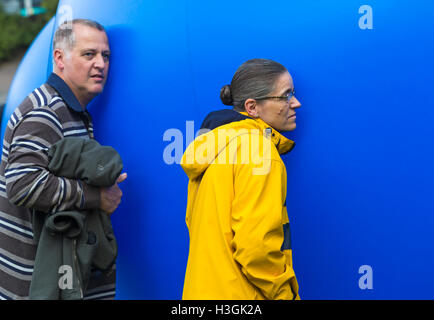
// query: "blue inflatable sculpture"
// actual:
[[361, 177]]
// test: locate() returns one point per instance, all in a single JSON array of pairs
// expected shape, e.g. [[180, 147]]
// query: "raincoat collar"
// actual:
[[229, 119], [283, 144], [218, 118]]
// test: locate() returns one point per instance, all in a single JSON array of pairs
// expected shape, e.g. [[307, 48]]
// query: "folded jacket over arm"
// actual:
[[75, 241]]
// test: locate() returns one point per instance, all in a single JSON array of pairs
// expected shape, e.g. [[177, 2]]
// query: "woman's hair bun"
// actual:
[[226, 95]]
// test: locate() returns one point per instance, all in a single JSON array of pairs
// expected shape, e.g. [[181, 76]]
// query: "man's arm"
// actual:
[[28, 181], [258, 232]]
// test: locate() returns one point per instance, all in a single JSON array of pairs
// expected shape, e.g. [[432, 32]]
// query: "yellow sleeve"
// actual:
[[258, 229]]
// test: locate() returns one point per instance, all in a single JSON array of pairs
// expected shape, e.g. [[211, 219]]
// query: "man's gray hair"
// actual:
[[64, 37]]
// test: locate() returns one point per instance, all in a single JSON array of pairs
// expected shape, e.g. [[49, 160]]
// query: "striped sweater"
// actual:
[[50, 113]]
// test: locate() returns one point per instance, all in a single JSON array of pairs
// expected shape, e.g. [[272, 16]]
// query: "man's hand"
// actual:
[[111, 196]]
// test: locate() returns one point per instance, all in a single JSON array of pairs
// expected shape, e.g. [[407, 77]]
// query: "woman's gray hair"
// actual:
[[64, 37], [254, 78]]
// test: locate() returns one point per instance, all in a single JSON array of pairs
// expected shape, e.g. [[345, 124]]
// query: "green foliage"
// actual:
[[17, 33]]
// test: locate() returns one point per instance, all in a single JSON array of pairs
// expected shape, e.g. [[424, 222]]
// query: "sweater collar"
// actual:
[[65, 92]]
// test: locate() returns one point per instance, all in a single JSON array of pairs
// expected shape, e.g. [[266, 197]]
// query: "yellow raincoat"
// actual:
[[236, 212]]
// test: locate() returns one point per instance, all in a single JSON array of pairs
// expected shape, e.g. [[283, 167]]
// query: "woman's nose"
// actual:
[[295, 103]]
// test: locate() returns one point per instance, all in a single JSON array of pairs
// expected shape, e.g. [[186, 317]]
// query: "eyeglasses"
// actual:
[[286, 97]]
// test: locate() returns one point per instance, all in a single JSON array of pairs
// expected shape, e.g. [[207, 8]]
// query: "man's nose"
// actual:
[[99, 62]]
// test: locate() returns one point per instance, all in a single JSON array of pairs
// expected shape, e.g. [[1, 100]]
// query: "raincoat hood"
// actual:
[[204, 150]]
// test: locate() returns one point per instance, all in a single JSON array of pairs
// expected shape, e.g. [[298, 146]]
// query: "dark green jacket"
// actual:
[[71, 243]]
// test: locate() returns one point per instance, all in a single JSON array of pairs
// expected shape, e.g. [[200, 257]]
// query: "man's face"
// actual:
[[86, 66]]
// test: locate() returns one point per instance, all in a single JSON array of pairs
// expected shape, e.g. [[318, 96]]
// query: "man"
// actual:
[[51, 112]]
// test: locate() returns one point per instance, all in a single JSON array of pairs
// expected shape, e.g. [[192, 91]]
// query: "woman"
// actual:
[[236, 210]]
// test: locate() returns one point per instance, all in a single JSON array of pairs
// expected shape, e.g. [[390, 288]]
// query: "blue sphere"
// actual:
[[361, 176]]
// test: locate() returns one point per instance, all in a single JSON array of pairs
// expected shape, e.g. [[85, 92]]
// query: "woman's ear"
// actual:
[[251, 108]]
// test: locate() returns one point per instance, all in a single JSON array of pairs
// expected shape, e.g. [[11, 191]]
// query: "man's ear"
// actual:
[[251, 108], [59, 57]]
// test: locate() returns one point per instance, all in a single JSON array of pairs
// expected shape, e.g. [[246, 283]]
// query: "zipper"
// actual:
[[77, 268]]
